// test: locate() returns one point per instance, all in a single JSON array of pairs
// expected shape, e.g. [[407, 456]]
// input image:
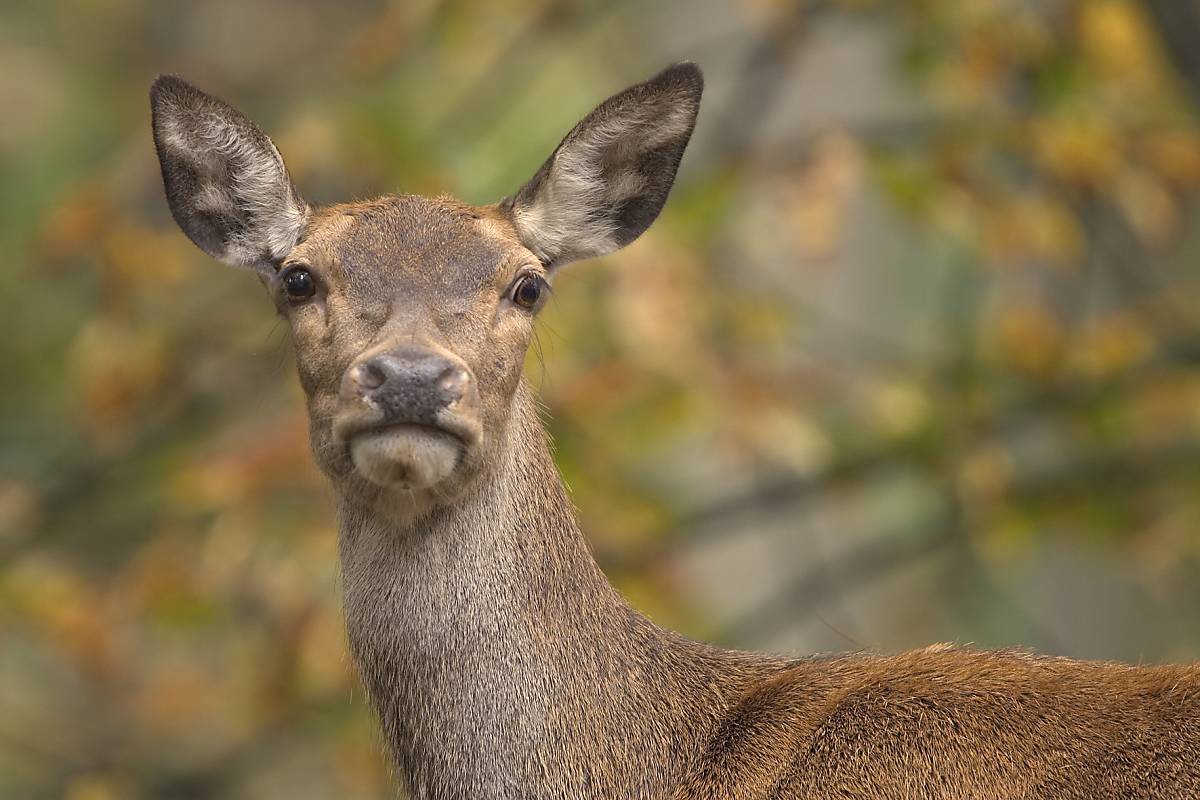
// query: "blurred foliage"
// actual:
[[1021, 370]]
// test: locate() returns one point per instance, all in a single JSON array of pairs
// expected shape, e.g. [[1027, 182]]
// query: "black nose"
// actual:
[[409, 385]]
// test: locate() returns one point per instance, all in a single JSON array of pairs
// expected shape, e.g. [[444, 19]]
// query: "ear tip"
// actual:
[[170, 87], [686, 75]]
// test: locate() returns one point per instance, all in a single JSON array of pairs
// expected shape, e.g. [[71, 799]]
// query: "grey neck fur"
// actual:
[[501, 661]]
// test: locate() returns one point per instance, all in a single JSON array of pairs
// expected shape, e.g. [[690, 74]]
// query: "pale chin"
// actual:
[[405, 457]]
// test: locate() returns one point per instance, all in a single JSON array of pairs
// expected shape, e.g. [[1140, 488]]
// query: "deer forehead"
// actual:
[[435, 250]]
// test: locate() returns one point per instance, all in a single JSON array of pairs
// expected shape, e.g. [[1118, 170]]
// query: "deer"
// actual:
[[499, 660]]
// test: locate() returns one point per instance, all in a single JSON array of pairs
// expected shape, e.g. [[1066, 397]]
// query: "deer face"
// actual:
[[410, 319], [411, 316]]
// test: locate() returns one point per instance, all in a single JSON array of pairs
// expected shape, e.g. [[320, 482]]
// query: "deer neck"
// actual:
[[500, 660]]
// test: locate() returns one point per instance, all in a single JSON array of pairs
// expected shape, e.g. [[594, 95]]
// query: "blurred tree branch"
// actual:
[[1178, 25], [789, 493], [761, 76], [838, 577]]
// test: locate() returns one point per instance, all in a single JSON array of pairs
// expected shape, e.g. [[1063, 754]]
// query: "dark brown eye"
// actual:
[[527, 291], [299, 284]]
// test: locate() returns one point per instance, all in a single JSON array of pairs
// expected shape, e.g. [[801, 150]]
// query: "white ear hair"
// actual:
[[609, 178], [226, 183]]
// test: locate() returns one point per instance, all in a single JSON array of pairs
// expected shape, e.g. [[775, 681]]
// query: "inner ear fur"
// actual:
[[226, 184], [610, 176]]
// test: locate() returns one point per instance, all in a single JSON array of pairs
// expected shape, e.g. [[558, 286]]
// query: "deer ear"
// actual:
[[610, 176], [226, 184]]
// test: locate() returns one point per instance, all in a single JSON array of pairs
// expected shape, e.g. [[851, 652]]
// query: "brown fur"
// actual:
[[501, 661], [947, 722]]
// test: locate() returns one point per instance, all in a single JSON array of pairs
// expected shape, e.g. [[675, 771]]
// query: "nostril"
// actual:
[[413, 385], [370, 376], [453, 381]]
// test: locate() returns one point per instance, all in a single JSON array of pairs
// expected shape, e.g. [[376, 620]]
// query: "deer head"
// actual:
[[411, 316]]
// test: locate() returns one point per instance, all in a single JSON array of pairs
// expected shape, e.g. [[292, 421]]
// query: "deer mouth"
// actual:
[[406, 456], [408, 436]]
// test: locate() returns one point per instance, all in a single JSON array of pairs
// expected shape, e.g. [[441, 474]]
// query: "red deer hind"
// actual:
[[501, 662]]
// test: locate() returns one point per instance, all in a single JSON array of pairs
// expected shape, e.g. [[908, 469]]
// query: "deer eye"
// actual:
[[527, 291], [299, 284]]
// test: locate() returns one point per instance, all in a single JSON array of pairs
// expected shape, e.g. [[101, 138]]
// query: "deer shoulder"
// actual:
[[947, 722]]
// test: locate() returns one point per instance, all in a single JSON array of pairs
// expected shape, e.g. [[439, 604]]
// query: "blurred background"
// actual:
[[911, 356]]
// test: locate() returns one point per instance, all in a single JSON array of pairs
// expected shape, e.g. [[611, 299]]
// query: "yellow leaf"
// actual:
[[1033, 227], [1146, 205], [1077, 149], [1109, 345], [1114, 38], [1175, 156], [1029, 338]]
